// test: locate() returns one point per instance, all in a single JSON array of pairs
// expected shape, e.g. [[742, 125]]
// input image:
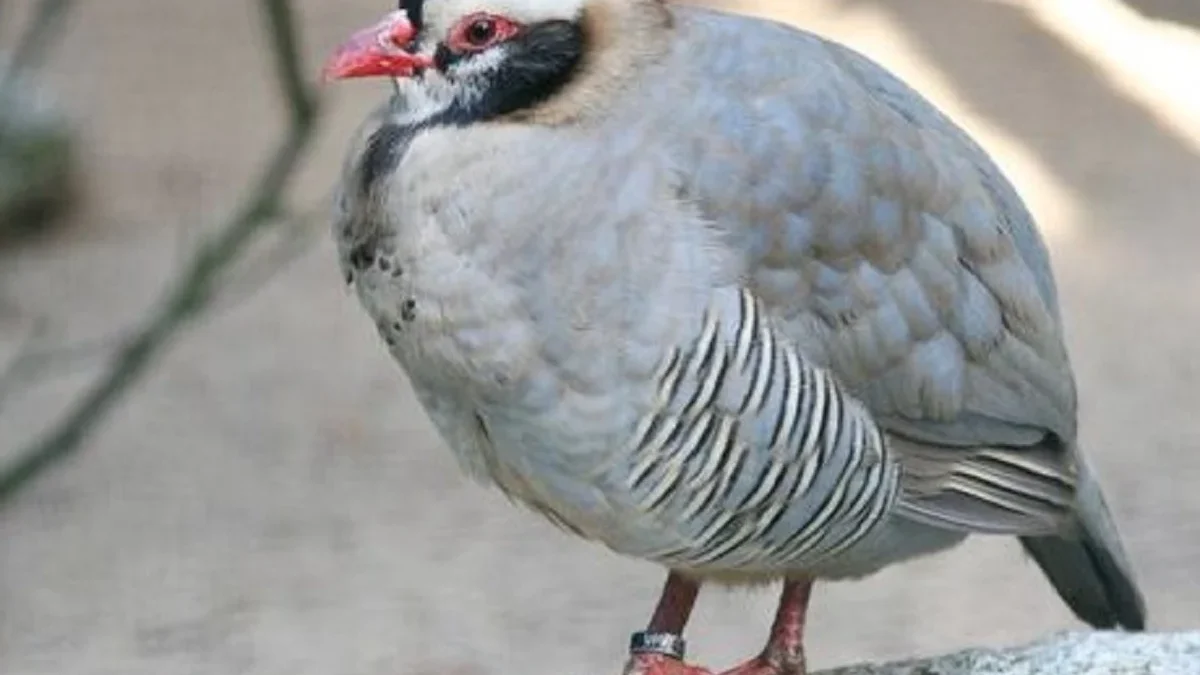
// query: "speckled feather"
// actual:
[[799, 324]]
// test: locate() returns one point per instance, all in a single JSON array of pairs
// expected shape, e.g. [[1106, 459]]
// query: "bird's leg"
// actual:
[[658, 650], [784, 653]]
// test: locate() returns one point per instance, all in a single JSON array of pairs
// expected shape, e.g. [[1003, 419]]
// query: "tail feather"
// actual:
[[1088, 565]]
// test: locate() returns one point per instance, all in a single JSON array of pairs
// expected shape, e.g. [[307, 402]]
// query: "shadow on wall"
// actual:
[[1179, 11], [1102, 144]]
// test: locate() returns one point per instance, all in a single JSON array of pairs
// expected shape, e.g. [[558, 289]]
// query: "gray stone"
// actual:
[[1078, 653]]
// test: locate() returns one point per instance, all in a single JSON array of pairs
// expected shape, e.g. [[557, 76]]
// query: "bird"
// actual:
[[717, 293]]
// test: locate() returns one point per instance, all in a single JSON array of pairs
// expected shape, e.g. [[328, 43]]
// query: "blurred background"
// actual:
[[270, 499]]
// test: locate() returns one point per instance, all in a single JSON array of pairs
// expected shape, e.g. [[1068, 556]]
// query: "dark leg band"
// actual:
[[666, 644]]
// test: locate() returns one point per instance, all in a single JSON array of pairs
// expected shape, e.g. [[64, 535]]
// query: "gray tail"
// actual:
[[1088, 565]]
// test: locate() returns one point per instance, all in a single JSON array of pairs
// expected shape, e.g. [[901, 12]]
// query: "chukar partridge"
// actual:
[[719, 294]]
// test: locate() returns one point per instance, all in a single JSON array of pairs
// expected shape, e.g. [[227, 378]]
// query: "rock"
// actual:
[[1084, 653], [37, 157]]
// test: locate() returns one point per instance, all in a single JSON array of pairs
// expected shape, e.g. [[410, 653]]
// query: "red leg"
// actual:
[[784, 653], [670, 617], [674, 605]]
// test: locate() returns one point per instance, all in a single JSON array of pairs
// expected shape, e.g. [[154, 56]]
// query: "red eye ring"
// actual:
[[479, 31]]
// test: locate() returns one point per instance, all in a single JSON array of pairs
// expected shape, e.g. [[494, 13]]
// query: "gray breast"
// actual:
[[364, 197]]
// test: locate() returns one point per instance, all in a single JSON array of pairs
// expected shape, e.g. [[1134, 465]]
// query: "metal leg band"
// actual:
[[666, 644]]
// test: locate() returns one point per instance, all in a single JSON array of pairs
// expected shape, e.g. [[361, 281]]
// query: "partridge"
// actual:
[[716, 293]]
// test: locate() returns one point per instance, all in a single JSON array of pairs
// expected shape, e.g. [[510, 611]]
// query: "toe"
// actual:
[[754, 666], [656, 664], [761, 666]]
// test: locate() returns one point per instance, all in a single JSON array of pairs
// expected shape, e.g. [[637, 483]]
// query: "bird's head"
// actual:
[[479, 58]]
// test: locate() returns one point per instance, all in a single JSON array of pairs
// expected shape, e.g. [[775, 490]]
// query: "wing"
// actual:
[[894, 252]]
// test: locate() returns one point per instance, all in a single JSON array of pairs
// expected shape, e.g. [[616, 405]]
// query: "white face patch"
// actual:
[[423, 98], [483, 62], [433, 92]]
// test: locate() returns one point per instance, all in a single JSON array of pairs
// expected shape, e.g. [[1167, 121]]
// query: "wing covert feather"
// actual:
[[894, 252]]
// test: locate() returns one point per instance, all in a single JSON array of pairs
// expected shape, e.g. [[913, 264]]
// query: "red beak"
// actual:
[[378, 51]]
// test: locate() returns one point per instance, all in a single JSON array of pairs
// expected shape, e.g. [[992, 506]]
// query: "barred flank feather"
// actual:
[[755, 452]]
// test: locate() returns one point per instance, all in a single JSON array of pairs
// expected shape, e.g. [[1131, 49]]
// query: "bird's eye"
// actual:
[[480, 32]]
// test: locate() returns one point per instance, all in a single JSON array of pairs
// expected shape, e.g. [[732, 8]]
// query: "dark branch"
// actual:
[[33, 360], [193, 290]]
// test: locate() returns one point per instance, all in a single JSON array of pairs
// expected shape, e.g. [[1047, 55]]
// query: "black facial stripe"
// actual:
[[538, 63], [385, 148], [387, 145], [443, 58]]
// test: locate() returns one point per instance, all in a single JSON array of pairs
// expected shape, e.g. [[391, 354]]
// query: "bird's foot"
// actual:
[[660, 664], [761, 665]]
